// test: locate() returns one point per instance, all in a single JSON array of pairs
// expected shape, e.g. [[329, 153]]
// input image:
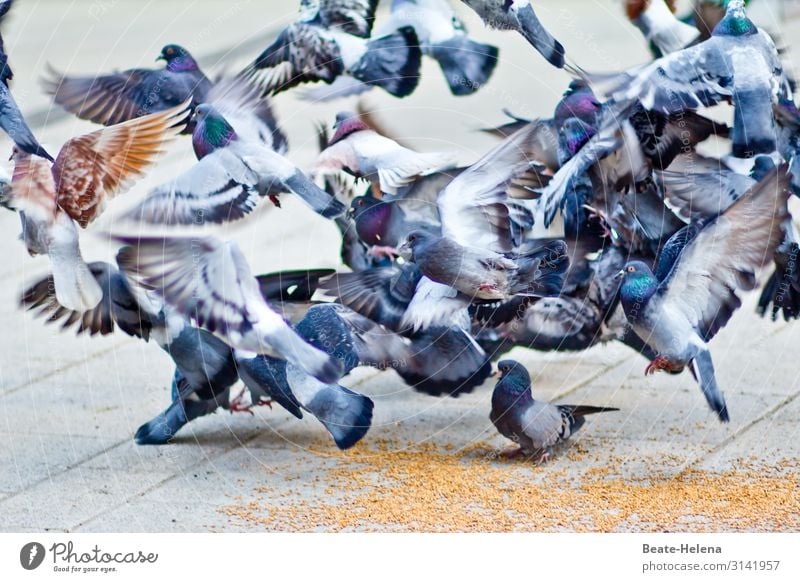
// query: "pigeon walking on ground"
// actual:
[[118, 97], [89, 170], [691, 295], [519, 15], [11, 120], [331, 38], [536, 426]]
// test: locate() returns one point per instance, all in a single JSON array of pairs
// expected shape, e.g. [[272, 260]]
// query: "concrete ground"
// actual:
[[70, 405]]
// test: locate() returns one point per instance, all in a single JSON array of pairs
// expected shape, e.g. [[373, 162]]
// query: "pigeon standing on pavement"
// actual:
[[125, 95], [233, 172], [89, 170], [11, 120], [691, 295], [519, 15], [331, 38], [536, 426]]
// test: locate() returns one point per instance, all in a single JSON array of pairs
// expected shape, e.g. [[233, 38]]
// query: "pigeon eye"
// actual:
[[170, 51], [361, 203], [631, 269]]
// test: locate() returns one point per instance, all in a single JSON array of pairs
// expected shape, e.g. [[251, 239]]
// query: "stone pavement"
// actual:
[[69, 405]]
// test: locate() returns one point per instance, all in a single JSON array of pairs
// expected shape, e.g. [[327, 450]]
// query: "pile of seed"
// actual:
[[423, 487]]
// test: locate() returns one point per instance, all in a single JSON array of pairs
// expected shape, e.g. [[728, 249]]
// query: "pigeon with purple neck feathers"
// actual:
[[118, 97], [535, 425], [233, 172], [519, 15], [691, 295], [11, 120], [361, 151]]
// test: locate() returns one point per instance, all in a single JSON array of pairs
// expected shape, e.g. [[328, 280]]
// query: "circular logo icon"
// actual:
[[31, 555]]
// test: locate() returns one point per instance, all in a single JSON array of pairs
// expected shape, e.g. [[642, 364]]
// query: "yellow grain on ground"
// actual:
[[430, 489]]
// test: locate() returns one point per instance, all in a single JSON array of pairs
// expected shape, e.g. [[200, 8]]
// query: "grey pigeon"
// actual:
[[331, 38], [678, 308], [659, 25], [11, 119], [536, 426], [233, 172], [210, 281], [519, 15], [125, 95]]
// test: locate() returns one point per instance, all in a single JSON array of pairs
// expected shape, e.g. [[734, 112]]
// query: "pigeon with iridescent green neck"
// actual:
[[232, 174], [691, 295], [738, 64]]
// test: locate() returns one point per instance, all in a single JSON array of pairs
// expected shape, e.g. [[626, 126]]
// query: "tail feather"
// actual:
[[466, 64], [320, 201], [703, 370], [392, 62], [344, 413], [536, 34], [542, 271], [76, 287], [584, 410]]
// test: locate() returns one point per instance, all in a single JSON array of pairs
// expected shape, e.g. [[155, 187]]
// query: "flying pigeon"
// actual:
[[660, 26], [210, 281], [331, 38], [739, 64], [89, 170], [122, 96], [361, 151], [232, 174], [678, 308], [11, 119], [536, 426], [519, 15]]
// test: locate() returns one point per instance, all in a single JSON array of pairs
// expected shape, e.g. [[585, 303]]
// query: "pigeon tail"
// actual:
[[76, 287], [165, 426], [703, 370], [536, 34], [344, 413], [541, 271], [753, 127], [320, 201], [391, 62], [466, 64]]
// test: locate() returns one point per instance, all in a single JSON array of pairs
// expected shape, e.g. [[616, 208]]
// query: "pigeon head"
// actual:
[[211, 131], [372, 217], [578, 101], [638, 285], [416, 240], [177, 58], [761, 167], [346, 123], [514, 377], [574, 134], [735, 22]]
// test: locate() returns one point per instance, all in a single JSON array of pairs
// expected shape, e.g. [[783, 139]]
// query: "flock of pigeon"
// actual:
[[445, 274]]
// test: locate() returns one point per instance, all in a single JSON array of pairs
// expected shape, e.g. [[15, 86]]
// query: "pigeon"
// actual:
[[210, 281], [231, 175], [11, 120], [361, 151], [122, 96], [519, 15], [659, 25], [331, 38], [739, 64], [680, 306], [536, 426], [89, 170], [781, 293]]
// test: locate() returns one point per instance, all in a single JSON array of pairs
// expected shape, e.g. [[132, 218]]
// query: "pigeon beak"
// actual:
[[351, 212], [620, 274], [404, 250], [161, 58], [495, 374]]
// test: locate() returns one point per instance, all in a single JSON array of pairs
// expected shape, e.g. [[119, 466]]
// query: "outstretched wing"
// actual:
[[95, 167], [472, 206], [354, 17], [300, 54], [726, 254]]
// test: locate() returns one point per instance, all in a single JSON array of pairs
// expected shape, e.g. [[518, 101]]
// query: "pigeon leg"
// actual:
[[660, 363], [510, 453], [237, 403], [275, 201], [543, 458], [380, 252]]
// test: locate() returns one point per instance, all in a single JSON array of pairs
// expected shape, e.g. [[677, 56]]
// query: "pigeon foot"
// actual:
[[380, 252]]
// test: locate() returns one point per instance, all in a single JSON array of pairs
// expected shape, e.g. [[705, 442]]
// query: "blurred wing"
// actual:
[[33, 190], [472, 207], [354, 17], [726, 254], [14, 124], [702, 196], [95, 167], [436, 304], [300, 54], [219, 188]]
